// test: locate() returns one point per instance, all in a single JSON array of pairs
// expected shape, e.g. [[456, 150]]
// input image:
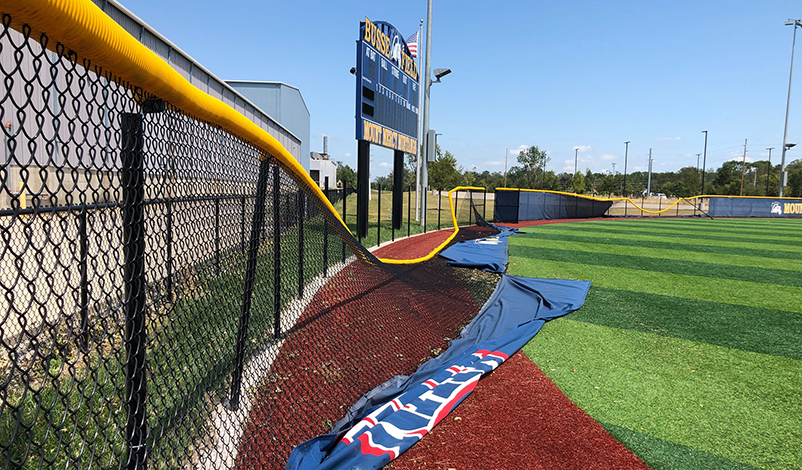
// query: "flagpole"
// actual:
[[420, 136]]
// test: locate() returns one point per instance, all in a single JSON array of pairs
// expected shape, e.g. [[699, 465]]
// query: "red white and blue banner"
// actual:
[[391, 418]]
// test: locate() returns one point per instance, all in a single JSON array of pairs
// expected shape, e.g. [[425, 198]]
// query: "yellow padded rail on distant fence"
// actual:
[[448, 240], [615, 199], [83, 28]]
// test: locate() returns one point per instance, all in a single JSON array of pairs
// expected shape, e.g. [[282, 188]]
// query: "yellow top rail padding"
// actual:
[[448, 240], [83, 27]]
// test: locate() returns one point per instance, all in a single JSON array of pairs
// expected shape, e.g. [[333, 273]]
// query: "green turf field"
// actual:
[[689, 347]]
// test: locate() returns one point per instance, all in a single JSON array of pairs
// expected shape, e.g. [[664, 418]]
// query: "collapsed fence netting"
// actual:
[[173, 295]]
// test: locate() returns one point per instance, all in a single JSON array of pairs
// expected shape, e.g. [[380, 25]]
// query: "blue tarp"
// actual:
[[392, 417], [488, 254], [754, 207]]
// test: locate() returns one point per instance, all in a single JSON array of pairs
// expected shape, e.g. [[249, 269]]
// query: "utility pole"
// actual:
[[704, 165], [427, 85], [768, 170], [420, 134], [743, 169], [649, 181], [697, 163], [795, 23], [576, 155], [506, 156]]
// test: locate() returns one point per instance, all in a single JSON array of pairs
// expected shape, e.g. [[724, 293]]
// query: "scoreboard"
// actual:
[[387, 89]]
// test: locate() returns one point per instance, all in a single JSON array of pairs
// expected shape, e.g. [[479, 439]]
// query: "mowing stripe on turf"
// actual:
[[767, 227], [739, 405], [696, 256], [746, 293], [661, 454], [701, 237], [734, 326], [689, 244], [663, 265]]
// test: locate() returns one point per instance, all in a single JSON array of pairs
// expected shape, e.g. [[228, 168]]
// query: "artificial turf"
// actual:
[[692, 360]]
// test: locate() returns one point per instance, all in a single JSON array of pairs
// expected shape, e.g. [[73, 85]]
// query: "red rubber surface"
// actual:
[[517, 418]]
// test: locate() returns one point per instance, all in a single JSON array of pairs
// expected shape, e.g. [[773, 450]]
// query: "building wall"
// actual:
[[284, 103], [202, 77]]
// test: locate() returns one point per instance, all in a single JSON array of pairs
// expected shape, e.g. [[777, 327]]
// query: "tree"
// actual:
[[444, 174], [346, 175], [795, 178], [578, 183], [534, 161]]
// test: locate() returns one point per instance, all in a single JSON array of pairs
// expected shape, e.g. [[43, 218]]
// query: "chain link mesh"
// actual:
[[170, 295]]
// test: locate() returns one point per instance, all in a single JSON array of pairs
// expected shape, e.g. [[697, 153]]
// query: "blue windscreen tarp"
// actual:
[[392, 417], [754, 207], [488, 254]]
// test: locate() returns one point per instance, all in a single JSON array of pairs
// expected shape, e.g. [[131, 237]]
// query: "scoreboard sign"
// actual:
[[387, 89]]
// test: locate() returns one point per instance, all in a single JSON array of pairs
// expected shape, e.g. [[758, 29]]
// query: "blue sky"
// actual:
[[556, 74]]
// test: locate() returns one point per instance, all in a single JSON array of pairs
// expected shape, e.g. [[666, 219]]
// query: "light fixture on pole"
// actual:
[[768, 170], [704, 165], [624, 193], [576, 156], [793, 23], [784, 174], [427, 80]]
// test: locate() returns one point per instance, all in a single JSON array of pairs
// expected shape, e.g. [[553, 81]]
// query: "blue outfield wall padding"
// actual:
[[505, 208], [754, 207], [547, 206], [392, 417], [488, 254]]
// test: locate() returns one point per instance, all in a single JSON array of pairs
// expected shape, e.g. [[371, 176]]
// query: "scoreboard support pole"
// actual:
[[362, 187], [398, 188]]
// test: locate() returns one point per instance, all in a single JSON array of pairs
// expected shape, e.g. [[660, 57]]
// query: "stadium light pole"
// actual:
[[768, 170], [793, 23], [626, 153], [438, 73], [576, 156], [704, 165]]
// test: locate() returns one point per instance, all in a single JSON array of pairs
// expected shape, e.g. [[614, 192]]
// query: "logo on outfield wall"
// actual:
[[776, 208]]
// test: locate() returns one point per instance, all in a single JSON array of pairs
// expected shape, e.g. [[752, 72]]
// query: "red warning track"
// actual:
[[516, 417]]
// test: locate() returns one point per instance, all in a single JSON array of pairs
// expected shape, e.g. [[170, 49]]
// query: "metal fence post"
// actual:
[[484, 204], [395, 206], [344, 219], [425, 209], [301, 215], [470, 205], [439, 206], [409, 208], [169, 242], [277, 226], [326, 235], [217, 236], [133, 180], [379, 219], [84, 280], [242, 225], [250, 275]]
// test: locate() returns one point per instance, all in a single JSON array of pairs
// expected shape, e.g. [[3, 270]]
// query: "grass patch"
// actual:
[[660, 454], [739, 405], [664, 265], [688, 346]]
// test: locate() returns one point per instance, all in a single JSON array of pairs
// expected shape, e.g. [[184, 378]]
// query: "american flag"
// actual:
[[412, 43]]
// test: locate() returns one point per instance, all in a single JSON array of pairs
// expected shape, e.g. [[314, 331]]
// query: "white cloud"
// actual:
[[608, 157], [582, 148], [659, 139], [347, 155], [494, 163], [385, 165], [519, 149]]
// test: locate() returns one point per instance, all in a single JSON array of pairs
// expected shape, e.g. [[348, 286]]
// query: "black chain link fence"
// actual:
[[173, 297]]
